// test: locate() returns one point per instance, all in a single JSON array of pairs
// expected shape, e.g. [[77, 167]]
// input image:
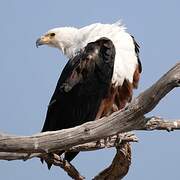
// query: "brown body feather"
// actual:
[[119, 96]]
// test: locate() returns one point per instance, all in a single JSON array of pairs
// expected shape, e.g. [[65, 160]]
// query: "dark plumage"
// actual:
[[84, 83]]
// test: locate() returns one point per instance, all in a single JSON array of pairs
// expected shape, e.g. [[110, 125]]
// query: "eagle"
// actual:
[[103, 69]]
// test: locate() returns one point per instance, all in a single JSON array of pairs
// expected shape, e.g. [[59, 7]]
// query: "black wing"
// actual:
[[137, 53], [83, 84]]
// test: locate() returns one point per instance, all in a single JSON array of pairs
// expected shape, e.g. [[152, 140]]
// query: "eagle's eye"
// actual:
[[52, 34]]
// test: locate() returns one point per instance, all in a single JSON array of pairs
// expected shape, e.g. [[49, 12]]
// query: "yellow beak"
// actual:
[[42, 40]]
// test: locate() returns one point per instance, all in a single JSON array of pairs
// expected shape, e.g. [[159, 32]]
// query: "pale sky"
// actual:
[[28, 77]]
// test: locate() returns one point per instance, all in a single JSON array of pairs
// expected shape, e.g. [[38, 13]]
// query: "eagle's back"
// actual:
[[126, 59]]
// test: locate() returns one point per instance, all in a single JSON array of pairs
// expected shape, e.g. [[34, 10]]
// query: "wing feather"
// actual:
[[83, 84]]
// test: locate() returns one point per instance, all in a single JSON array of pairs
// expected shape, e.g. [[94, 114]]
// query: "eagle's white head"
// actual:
[[63, 38]]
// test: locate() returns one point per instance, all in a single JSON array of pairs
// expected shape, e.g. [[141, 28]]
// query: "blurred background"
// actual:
[[29, 75]]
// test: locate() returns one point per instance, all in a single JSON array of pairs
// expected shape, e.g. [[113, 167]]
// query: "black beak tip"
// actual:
[[38, 42]]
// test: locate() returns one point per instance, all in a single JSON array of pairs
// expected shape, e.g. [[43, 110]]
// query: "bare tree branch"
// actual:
[[120, 164], [158, 123], [122, 160], [128, 119], [153, 123], [68, 167], [114, 141], [104, 143]]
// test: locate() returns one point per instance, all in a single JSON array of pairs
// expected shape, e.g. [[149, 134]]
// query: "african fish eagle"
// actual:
[[81, 94]]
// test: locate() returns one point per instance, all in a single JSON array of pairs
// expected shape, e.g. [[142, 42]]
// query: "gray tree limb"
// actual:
[[128, 119], [110, 142], [153, 123]]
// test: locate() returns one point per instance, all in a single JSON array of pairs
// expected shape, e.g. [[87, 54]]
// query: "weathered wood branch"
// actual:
[[114, 141], [158, 123], [130, 118], [56, 160], [104, 143], [123, 151], [153, 123], [119, 166], [122, 160], [122, 155]]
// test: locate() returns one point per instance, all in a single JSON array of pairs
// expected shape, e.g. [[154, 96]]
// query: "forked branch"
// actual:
[[128, 119]]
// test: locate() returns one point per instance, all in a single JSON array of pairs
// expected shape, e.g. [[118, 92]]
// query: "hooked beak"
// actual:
[[42, 40], [39, 42]]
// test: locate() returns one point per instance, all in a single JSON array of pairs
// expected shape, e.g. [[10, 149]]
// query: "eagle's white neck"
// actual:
[[66, 40], [71, 40]]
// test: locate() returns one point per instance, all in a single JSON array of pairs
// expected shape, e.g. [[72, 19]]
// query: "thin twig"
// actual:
[[158, 123], [68, 167]]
